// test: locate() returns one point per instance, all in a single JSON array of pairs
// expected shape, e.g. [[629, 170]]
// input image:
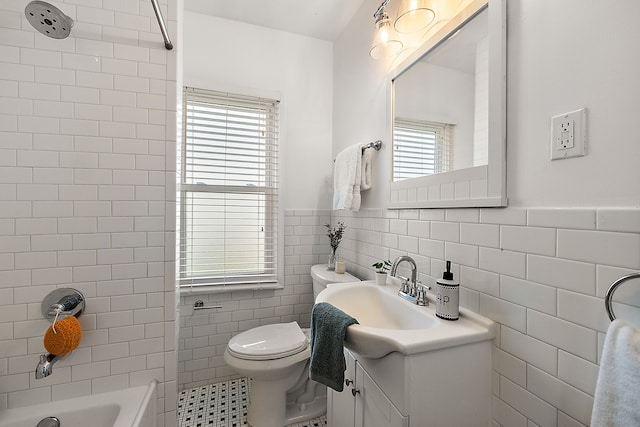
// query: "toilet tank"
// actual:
[[321, 277]]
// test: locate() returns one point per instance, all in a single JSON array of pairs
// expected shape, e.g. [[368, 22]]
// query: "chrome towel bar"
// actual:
[[612, 289], [375, 144], [199, 305]]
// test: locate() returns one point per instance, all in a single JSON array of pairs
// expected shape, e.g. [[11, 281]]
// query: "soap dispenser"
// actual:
[[447, 296]]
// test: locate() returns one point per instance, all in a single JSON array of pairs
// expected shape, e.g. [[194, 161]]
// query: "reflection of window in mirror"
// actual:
[[421, 148], [450, 84]]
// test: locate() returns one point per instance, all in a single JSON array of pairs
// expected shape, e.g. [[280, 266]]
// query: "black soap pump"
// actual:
[[447, 296]]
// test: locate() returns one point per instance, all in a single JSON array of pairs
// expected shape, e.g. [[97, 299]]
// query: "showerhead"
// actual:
[[48, 19]]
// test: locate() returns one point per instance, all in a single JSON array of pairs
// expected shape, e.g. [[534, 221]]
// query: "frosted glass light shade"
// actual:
[[414, 15], [384, 45]]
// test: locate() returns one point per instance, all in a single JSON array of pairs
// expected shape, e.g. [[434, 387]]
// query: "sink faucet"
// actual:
[[412, 291], [45, 366]]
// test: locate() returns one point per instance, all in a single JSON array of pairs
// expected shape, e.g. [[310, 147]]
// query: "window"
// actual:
[[229, 190], [421, 148]]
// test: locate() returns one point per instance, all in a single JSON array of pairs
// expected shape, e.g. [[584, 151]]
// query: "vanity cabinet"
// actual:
[[449, 387], [362, 403]]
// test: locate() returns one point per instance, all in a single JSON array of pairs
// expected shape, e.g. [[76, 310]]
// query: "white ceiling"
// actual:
[[322, 19]]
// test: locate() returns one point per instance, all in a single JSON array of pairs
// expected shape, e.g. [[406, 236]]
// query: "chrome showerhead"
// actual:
[[48, 19]]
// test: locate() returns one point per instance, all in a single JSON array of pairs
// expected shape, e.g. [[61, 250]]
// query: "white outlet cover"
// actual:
[[569, 135]]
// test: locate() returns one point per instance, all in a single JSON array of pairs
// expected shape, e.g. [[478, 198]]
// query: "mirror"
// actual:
[[449, 115]]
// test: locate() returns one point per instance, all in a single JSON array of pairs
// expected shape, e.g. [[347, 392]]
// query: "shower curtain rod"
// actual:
[[163, 27]]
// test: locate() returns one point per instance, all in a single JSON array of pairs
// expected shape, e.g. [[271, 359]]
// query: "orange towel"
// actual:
[[67, 338]]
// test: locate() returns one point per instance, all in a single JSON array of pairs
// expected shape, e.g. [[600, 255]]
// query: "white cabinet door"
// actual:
[[373, 408], [341, 405]]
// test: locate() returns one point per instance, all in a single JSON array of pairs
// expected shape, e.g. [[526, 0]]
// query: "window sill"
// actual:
[[220, 289]]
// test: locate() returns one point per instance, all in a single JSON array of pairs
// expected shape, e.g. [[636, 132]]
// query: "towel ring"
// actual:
[[612, 289]]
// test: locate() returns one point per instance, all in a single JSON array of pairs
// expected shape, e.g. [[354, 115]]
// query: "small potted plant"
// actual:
[[381, 274]]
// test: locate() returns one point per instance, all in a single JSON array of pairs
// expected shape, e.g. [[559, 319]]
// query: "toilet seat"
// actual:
[[269, 342]]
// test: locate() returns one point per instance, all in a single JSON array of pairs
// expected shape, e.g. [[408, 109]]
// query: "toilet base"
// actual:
[[297, 413], [268, 406]]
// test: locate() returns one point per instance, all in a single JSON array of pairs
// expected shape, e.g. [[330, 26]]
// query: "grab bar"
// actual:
[[612, 289], [163, 28]]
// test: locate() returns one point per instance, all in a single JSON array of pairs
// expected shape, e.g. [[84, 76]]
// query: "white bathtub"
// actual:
[[132, 407]]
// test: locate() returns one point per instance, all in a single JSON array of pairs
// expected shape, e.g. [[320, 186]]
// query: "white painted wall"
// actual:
[[231, 56], [579, 56]]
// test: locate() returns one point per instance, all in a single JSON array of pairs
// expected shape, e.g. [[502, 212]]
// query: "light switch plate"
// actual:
[[568, 135]]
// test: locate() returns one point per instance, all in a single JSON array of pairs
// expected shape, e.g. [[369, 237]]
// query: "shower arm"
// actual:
[[163, 27]]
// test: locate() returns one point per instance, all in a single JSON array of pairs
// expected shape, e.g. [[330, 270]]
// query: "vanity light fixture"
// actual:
[[385, 42], [414, 15]]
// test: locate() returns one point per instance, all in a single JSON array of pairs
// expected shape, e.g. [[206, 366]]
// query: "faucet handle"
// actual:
[[404, 288], [422, 285], [421, 299]]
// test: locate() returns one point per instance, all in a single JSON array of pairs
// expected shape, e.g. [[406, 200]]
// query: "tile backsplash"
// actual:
[[540, 273]]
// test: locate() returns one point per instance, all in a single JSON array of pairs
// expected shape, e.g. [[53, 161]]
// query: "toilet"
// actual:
[[276, 358]]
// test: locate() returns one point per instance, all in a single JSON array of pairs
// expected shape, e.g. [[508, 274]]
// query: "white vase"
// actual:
[[381, 279]]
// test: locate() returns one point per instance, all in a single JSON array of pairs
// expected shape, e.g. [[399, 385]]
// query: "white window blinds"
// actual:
[[421, 148], [229, 190]]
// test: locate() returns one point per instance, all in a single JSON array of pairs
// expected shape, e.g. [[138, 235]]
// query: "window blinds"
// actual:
[[229, 190], [421, 148]]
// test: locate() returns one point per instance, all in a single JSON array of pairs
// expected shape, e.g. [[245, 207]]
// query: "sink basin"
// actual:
[[389, 323]]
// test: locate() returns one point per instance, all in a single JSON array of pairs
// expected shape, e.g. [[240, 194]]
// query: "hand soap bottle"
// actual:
[[447, 296]]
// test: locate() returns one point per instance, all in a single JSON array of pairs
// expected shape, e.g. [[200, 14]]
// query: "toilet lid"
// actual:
[[268, 342]]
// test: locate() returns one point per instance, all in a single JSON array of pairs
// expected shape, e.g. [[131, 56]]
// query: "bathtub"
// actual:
[[132, 407]]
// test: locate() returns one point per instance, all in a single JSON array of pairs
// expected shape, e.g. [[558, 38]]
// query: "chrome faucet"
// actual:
[[45, 366], [413, 291]]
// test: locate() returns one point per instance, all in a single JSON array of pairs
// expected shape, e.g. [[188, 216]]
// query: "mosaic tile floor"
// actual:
[[222, 404]]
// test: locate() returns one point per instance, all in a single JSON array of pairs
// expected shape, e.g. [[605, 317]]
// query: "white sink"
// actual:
[[389, 323]]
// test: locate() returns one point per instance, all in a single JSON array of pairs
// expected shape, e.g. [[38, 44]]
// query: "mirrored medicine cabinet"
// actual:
[[449, 115]]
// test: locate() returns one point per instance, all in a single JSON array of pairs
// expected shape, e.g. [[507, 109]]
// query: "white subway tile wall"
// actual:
[[540, 273], [549, 305], [87, 155], [204, 334]]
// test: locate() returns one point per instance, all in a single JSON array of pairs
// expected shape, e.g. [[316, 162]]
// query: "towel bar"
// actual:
[[612, 289], [199, 305], [375, 144]]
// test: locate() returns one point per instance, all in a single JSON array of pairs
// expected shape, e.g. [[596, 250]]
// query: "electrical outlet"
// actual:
[[568, 135]]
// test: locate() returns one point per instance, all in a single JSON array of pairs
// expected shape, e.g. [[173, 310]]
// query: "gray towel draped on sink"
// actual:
[[328, 330]]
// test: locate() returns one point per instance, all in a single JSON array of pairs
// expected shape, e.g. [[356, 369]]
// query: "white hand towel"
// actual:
[[367, 159], [618, 386], [347, 176]]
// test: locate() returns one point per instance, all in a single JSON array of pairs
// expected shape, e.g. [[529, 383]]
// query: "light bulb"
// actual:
[[414, 15], [384, 46]]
